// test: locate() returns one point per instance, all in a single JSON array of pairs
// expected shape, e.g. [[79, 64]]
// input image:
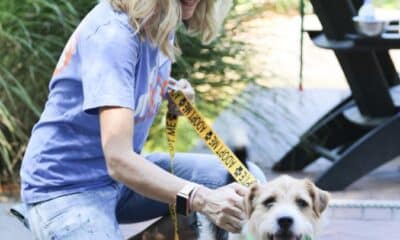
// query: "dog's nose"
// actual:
[[285, 222]]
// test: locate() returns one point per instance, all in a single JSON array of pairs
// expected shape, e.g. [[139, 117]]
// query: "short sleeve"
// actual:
[[108, 60]]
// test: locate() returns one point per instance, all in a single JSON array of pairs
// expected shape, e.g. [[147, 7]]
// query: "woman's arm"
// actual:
[[223, 206], [125, 166]]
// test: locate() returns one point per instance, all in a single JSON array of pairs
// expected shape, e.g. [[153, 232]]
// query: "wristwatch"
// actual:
[[183, 199]]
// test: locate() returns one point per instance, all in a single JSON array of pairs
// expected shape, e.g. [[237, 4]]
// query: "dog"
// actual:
[[285, 208]]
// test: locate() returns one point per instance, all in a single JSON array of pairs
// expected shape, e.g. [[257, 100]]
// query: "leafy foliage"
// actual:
[[32, 35], [394, 4]]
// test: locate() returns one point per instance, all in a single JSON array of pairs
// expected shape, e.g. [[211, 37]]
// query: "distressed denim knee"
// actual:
[[86, 215]]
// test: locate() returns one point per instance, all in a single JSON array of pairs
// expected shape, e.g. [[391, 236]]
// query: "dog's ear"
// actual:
[[249, 199], [323, 199], [319, 197]]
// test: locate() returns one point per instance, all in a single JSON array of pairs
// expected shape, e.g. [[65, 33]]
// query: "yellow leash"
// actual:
[[235, 167], [170, 129]]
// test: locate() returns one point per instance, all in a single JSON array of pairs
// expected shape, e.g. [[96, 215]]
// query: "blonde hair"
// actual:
[[155, 20]]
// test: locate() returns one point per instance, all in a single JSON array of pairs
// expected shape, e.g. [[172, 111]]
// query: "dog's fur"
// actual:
[[282, 209]]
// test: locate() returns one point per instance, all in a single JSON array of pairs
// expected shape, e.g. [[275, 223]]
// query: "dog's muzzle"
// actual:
[[285, 230]]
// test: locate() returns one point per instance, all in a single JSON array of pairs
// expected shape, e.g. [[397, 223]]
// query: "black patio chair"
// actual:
[[362, 132]]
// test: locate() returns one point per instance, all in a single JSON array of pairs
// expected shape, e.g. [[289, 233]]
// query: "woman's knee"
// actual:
[[208, 170], [204, 169]]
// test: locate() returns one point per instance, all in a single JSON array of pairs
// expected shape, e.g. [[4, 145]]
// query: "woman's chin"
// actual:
[[186, 17]]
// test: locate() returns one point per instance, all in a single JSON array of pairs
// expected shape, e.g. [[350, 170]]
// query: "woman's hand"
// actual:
[[224, 206], [187, 89]]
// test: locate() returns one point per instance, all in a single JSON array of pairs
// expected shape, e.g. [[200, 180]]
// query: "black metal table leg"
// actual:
[[331, 131], [388, 68], [379, 146]]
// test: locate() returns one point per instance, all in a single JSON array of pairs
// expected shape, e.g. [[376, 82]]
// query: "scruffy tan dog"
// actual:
[[283, 209]]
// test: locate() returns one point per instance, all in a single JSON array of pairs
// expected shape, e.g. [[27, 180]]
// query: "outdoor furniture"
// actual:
[[363, 131]]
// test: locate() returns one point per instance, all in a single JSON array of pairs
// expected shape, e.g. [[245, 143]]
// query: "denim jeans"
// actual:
[[95, 214]]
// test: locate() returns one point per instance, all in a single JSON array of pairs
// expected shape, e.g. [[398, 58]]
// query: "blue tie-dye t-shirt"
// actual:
[[103, 64]]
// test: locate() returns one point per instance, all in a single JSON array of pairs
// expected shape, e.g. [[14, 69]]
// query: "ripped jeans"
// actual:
[[96, 214]]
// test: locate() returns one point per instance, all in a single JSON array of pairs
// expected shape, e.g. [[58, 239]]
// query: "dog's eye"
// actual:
[[301, 203], [269, 201]]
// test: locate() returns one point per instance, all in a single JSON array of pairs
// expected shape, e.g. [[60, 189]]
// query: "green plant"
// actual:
[[32, 35], [285, 5], [394, 4]]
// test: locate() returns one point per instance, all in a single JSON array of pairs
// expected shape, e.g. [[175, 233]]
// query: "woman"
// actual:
[[82, 173]]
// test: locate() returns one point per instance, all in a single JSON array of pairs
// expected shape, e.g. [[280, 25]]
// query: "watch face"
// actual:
[[182, 199], [182, 205]]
